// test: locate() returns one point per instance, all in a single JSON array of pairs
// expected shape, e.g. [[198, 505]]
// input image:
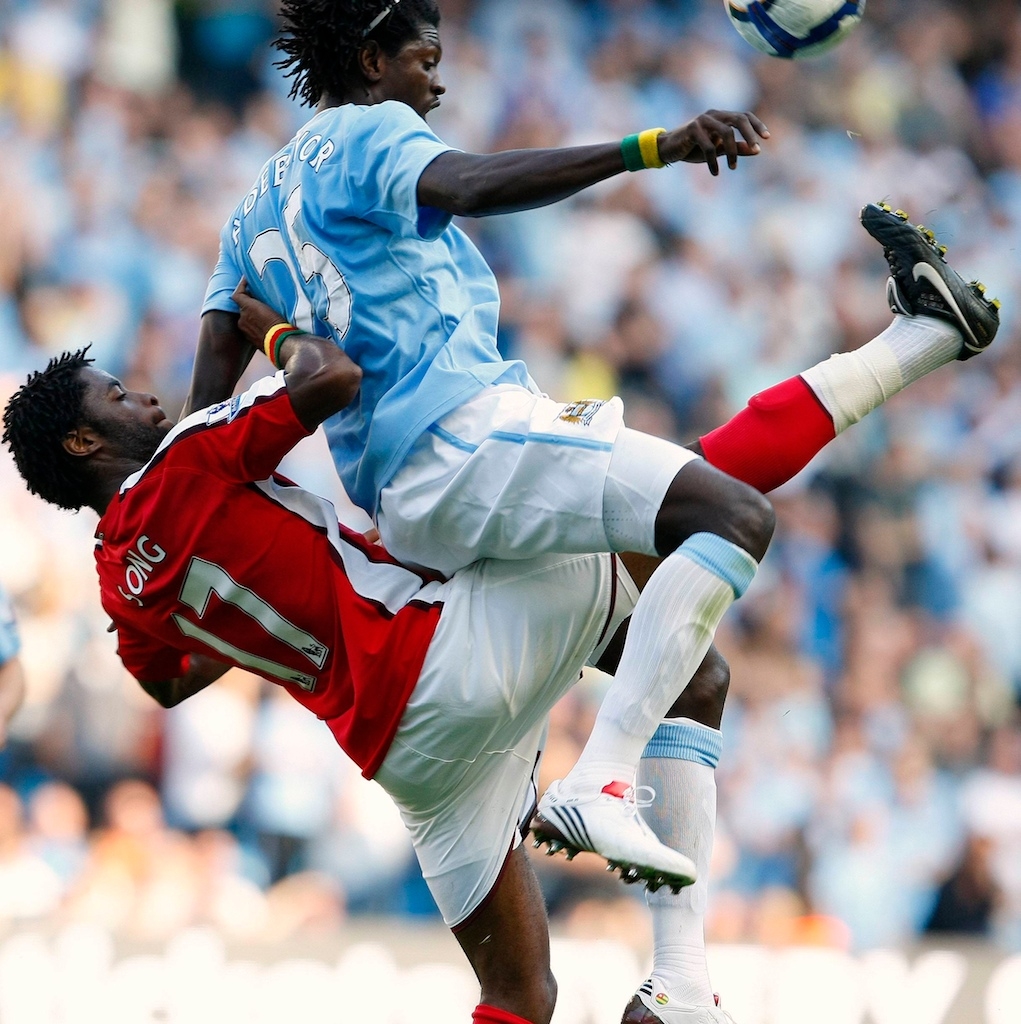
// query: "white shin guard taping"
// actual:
[[851, 384]]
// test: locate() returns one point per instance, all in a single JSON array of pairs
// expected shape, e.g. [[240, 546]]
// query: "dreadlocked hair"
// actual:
[[42, 412], [321, 39]]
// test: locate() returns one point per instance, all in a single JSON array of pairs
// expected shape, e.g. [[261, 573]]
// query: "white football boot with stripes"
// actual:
[[608, 823], [652, 1005]]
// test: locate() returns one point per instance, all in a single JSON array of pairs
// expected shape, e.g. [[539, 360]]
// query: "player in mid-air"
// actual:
[[450, 447], [764, 445], [205, 559], [347, 232], [437, 688]]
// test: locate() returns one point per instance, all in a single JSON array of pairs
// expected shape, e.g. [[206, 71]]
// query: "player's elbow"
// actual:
[[164, 692], [341, 379], [320, 393]]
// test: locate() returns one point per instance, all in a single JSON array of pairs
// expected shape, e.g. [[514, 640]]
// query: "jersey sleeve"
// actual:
[[225, 277], [386, 149], [241, 440]]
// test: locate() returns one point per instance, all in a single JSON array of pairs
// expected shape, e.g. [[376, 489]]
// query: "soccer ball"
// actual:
[[794, 28]]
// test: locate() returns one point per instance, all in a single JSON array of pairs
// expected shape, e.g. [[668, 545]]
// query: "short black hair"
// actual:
[[42, 412], [321, 39]]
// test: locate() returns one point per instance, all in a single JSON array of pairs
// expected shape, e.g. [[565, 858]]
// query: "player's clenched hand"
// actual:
[[255, 318], [711, 135]]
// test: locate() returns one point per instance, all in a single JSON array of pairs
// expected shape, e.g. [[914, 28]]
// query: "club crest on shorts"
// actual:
[[582, 412]]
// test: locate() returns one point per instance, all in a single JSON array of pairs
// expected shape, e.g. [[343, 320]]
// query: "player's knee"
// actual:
[[742, 515], [701, 499], [752, 519], [533, 998], [549, 999]]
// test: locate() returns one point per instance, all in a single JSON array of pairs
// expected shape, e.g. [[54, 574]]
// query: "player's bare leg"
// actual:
[[507, 943]]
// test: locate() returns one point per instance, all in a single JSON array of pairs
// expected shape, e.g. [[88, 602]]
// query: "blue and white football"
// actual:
[[794, 28]]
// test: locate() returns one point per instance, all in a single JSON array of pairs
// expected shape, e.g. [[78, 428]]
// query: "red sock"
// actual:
[[491, 1015], [779, 432]]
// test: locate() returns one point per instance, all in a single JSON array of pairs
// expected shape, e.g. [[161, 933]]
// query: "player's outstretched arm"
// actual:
[[201, 672], [473, 185]]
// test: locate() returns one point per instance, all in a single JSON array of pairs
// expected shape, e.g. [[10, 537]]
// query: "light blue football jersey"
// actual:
[[332, 236]]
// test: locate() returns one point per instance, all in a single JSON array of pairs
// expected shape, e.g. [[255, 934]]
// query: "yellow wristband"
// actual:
[[272, 339], [648, 144]]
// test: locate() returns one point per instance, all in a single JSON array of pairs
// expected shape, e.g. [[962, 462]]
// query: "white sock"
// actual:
[[851, 384], [671, 630], [679, 763]]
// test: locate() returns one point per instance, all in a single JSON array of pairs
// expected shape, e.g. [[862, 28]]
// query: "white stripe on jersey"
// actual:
[[266, 387], [384, 583]]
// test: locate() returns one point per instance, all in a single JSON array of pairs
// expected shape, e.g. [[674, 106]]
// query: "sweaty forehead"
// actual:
[[97, 384], [97, 381]]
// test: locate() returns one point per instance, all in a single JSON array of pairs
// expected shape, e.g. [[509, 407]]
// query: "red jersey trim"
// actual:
[[373, 552], [377, 553]]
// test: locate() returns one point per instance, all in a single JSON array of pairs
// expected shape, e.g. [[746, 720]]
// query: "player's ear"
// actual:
[[82, 441], [371, 61]]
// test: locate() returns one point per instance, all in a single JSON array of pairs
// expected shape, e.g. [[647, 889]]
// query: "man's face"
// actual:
[[131, 423], [412, 76]]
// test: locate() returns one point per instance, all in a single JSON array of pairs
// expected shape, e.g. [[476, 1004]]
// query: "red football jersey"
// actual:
[[205, 551]]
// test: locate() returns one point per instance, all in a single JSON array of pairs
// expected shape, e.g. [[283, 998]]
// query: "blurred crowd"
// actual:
[[870, 788]]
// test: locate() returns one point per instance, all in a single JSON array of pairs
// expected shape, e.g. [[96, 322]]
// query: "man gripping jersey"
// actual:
[[438, 688], [348, 232]]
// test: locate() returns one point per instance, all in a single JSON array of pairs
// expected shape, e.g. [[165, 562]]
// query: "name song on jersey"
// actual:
[[307, 148], [141, 559]]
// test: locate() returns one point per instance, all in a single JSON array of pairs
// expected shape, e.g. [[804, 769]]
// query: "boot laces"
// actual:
[[636, 797]]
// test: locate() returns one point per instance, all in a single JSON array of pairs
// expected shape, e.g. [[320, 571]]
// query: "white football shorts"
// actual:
[[512, 639], [512, 474]]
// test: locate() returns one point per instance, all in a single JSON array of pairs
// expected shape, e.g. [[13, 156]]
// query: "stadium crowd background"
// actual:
[[870, 788]]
